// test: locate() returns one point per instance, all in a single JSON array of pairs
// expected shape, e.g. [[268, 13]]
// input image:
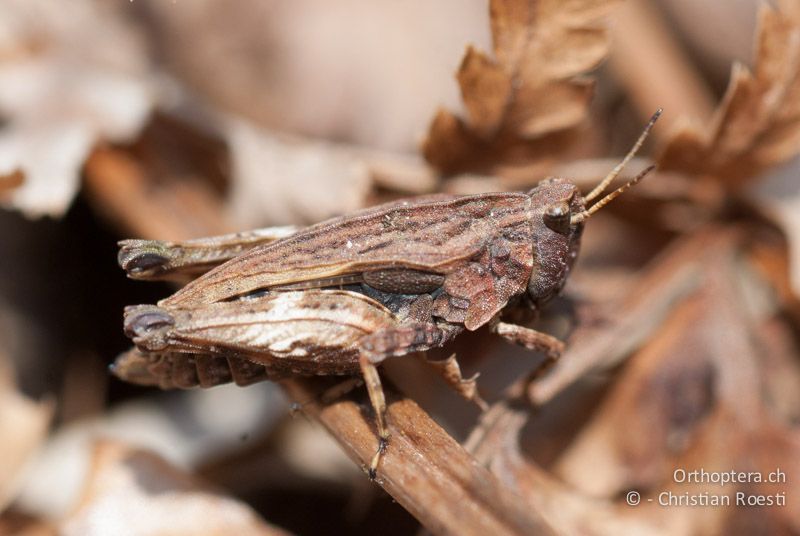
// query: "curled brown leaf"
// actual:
[[521, 103], [757, 124]]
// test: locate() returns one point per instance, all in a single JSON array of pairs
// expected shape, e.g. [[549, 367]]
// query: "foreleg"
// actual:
[[532, 340]]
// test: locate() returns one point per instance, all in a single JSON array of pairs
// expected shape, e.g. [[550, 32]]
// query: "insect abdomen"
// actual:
[[175, 370]]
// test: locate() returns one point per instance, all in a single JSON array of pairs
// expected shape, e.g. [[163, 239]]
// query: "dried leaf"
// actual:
[[635, 317], [757, 124], [128, 193], [281, 180], [697, 390], [135, 492], [521, 103], [61, 92], [278, 178], [349, 71], [57, 475], [668, 389], [23, 426], [496, 444]]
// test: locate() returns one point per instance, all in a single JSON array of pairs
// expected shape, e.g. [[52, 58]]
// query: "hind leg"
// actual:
[[378, 401], [387, 342]]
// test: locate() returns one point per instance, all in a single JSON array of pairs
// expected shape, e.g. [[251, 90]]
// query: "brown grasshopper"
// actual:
[[339, 297]]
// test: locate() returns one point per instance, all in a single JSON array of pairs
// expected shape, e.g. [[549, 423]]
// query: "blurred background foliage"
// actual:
[[174, 120]]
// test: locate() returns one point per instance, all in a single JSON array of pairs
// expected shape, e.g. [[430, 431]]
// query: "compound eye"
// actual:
[[557, 216]]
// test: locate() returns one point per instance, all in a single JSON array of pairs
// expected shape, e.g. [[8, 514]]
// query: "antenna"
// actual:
[[619, 167], [583, 215]]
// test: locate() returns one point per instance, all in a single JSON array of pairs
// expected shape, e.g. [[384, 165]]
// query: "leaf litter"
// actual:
[[526, 103], [689, 345], [61, 93]]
